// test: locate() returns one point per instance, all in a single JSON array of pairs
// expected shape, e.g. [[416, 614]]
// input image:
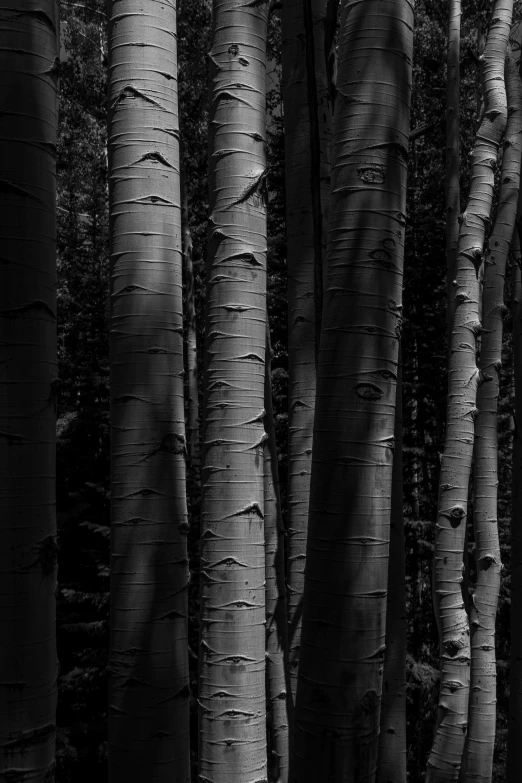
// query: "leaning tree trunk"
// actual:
[[515, 674], [232, 712], [277, 669], [452, 154], [344, 608], [480, 744], [307, 140], [392, 737], [446, 755], [148, 663], [28, 377]]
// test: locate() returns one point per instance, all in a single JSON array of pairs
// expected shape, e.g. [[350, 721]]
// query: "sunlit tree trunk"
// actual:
[[515, 678], [232, 734], [307, 140], [277, 670], [452, 152], [446, 755], [482, 709], [344, 608], [28, 387], [392, 738], [148, 662]]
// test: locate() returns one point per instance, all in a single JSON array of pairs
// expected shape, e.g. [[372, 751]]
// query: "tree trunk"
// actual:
[[148, 661], [446, 754], [232, 664], [193, 449], [482, 710], [392, 738], [515, 678], [344, 607], [277, 669], [452, 154], [307, 140], [28, 376]]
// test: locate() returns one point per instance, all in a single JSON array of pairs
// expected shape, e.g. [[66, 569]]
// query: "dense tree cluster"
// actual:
[[281, 349]]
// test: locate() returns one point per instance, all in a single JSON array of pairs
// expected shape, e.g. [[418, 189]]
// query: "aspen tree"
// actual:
[[28, 386], [344, 608], [232, 699], [278, 686], [392, 737], [190, 316], [307, 141], [452, 152], [148, 663], [480, 743], [446, 755], [515, 678]]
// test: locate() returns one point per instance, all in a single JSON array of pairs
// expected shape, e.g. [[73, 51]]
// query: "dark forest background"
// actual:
[[83, 421]]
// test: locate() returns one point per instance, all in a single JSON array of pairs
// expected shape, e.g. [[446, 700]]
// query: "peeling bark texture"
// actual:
[[515, 674], [446, 755], [480, 741], [148, 660], [29, 50], [232, 700], [452, 152], [392, 738], [193, 435], [344, 607], [307, 143], [277, 670]]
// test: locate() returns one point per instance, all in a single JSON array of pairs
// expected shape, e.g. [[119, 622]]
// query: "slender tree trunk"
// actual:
[[343, 636], [452, 154], [482, 711], [515, 678], [392, 738], [28, 387], [148, 662], [452, 194], [446, 754], [232, 665], [307, 140], [190, 316], [277, 669]]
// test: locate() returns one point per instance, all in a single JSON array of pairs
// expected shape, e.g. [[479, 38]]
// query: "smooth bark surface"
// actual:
[[148, 663], [480, 742], [277, 669], [232, 703], [307, 141], [392, 737], [446, 755], [515, 674], [28, 387], [344, 608]]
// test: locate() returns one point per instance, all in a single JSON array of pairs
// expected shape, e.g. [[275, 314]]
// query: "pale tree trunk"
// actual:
[[307, 141], [148, 659], [232, 714], [480, 742], [190, 317], [452, 153], [344, 607], [28, 386], [277, 670], [392, 738], [446, 755], [515, 674]]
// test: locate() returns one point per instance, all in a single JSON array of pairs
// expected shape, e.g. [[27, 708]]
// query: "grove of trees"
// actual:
[[260, 391]]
